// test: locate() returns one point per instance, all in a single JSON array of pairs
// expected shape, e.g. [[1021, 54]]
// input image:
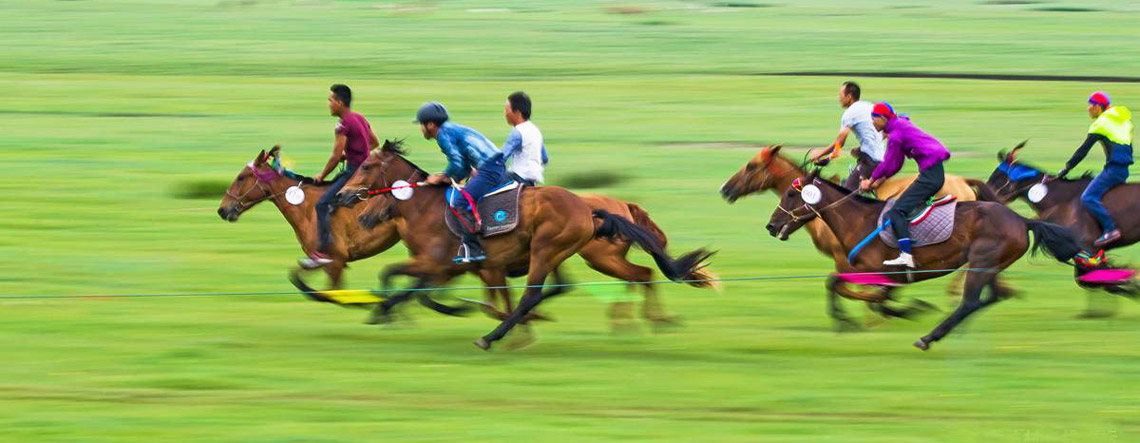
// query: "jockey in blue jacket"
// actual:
[[466, 149], [1112, 127]]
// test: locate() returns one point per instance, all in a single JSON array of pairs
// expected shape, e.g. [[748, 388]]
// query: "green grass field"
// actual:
[[112, 108]]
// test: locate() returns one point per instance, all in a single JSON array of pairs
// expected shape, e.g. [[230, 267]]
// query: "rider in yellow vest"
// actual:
[[1112, 127]]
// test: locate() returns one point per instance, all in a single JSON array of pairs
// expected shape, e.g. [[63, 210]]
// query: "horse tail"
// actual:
[[675, 269], [983, 191], [641, 218], [1056, 240], [700, 278]]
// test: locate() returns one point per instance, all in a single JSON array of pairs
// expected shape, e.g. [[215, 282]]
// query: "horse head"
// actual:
[[251, 186], [761, 173]]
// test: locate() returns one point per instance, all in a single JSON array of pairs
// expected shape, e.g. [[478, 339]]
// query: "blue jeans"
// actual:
[[1112, 175], [490, 175], [325, 208]]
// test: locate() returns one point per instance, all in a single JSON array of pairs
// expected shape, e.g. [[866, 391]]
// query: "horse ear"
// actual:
[[1013, 154], [274, 151], [1002, 155], [260, 158], [776, 149]]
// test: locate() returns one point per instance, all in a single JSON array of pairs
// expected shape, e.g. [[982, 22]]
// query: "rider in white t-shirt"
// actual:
[[524, 149], [856, 118]]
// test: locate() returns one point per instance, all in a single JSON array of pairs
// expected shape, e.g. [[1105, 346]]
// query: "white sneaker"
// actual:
[[314, 261], [903, 260]]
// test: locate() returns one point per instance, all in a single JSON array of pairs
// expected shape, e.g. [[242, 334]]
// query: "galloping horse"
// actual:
[[553, 225], [988, 235], [259, 181], [769, 170], [1062, 203]]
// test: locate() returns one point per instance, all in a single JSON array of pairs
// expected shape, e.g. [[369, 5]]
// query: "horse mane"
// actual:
[[397, 147], [838, 187]]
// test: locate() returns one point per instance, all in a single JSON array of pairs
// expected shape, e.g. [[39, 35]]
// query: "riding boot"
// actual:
[[471, 249]]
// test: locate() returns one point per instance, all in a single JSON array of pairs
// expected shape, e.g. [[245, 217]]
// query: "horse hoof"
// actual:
[[483, 344], [922, 344]]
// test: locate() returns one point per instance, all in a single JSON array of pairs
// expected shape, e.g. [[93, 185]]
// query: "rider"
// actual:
[[524, 147], [1112, 127], [856, 118], [906, 140], [354, 138], [465, 149]]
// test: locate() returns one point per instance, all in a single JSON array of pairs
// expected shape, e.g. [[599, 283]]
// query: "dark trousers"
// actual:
[[929, 182], [491, 174], [864, 166], [325, 208], [1112, 175]]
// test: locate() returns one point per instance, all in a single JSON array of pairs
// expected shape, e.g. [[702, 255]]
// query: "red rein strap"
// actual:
[[390, 189]]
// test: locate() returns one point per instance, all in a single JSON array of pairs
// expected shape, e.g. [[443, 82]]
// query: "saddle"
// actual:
[[929, 225], [498, 211]]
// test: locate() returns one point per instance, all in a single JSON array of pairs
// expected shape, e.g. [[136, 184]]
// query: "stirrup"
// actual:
[[465, 255]]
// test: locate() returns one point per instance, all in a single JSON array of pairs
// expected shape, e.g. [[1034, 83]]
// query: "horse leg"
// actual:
[[841, 322], [612, 262], [971, 302], [335, 273]]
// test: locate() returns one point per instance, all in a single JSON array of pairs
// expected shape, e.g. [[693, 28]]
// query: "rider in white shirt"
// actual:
[[524, 149]]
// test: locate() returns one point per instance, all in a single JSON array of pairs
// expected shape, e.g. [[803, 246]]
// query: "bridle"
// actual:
[[813, 211], [262, 184], [1009, 180]]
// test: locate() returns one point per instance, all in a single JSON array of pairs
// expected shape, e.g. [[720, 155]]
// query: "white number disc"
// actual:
[[811, 194], [295, 195], [1038, 192], [402, 190]]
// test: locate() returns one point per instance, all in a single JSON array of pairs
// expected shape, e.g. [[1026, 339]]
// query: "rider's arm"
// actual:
[[373, 141], [837, 147], [336, 158], [892, 161], [513, 144], [1083, 150], [457, 168]]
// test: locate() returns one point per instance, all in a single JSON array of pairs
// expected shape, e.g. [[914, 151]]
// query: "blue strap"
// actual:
[[866, 241], [1017, 172]]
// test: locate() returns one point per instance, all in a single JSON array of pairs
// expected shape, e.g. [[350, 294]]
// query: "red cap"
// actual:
[[883, 109], [1099, 98]]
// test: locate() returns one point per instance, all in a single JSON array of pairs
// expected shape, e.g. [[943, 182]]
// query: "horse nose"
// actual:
[[771, 229], [222, 213]]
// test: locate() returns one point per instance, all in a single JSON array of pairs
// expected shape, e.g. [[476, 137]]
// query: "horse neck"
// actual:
[[1060, 193], [850, 220], [301, 217], [788, 173]]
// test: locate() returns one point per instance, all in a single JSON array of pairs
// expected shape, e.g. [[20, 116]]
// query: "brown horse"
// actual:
[[770, 171], [553, 225], [988, 235], [1062, 204], [258, 182]]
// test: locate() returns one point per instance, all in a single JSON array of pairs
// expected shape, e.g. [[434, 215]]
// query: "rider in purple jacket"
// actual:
[[904, 140]]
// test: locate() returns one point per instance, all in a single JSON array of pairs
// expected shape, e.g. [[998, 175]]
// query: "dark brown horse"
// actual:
[[1062, 203], [553, 225], [769, 170], [988, 235]]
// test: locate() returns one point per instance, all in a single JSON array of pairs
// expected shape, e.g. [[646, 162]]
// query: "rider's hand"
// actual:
[[865, 185], [437, 179], [1063, 172], [319, 178], [855, 152]]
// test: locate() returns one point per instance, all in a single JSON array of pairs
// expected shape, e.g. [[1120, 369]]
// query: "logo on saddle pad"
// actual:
[[500, 215], [498, 212]]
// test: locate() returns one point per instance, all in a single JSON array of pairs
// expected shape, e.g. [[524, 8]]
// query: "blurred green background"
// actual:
[[114, 110]]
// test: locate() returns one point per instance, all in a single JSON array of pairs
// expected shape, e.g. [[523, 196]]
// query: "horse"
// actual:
[[769, 170], [1062, 203], [259, 181], [988, 235], [554, 224]]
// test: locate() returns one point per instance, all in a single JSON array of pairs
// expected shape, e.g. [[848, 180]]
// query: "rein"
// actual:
[[263, 178], [797, 218]]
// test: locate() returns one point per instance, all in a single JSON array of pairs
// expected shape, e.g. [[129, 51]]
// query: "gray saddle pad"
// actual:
[[499, 212], [932, 226]]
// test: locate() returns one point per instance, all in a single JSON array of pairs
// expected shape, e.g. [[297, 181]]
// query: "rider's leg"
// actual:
[[489, 175], [928, 184], [864, 166], [1112, 175], [325, 207]]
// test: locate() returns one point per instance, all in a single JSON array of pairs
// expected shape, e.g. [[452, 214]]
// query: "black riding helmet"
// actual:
[[432, 112]]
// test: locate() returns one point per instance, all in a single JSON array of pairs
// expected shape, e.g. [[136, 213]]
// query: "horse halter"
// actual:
[[796, 218], [263, 179]]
